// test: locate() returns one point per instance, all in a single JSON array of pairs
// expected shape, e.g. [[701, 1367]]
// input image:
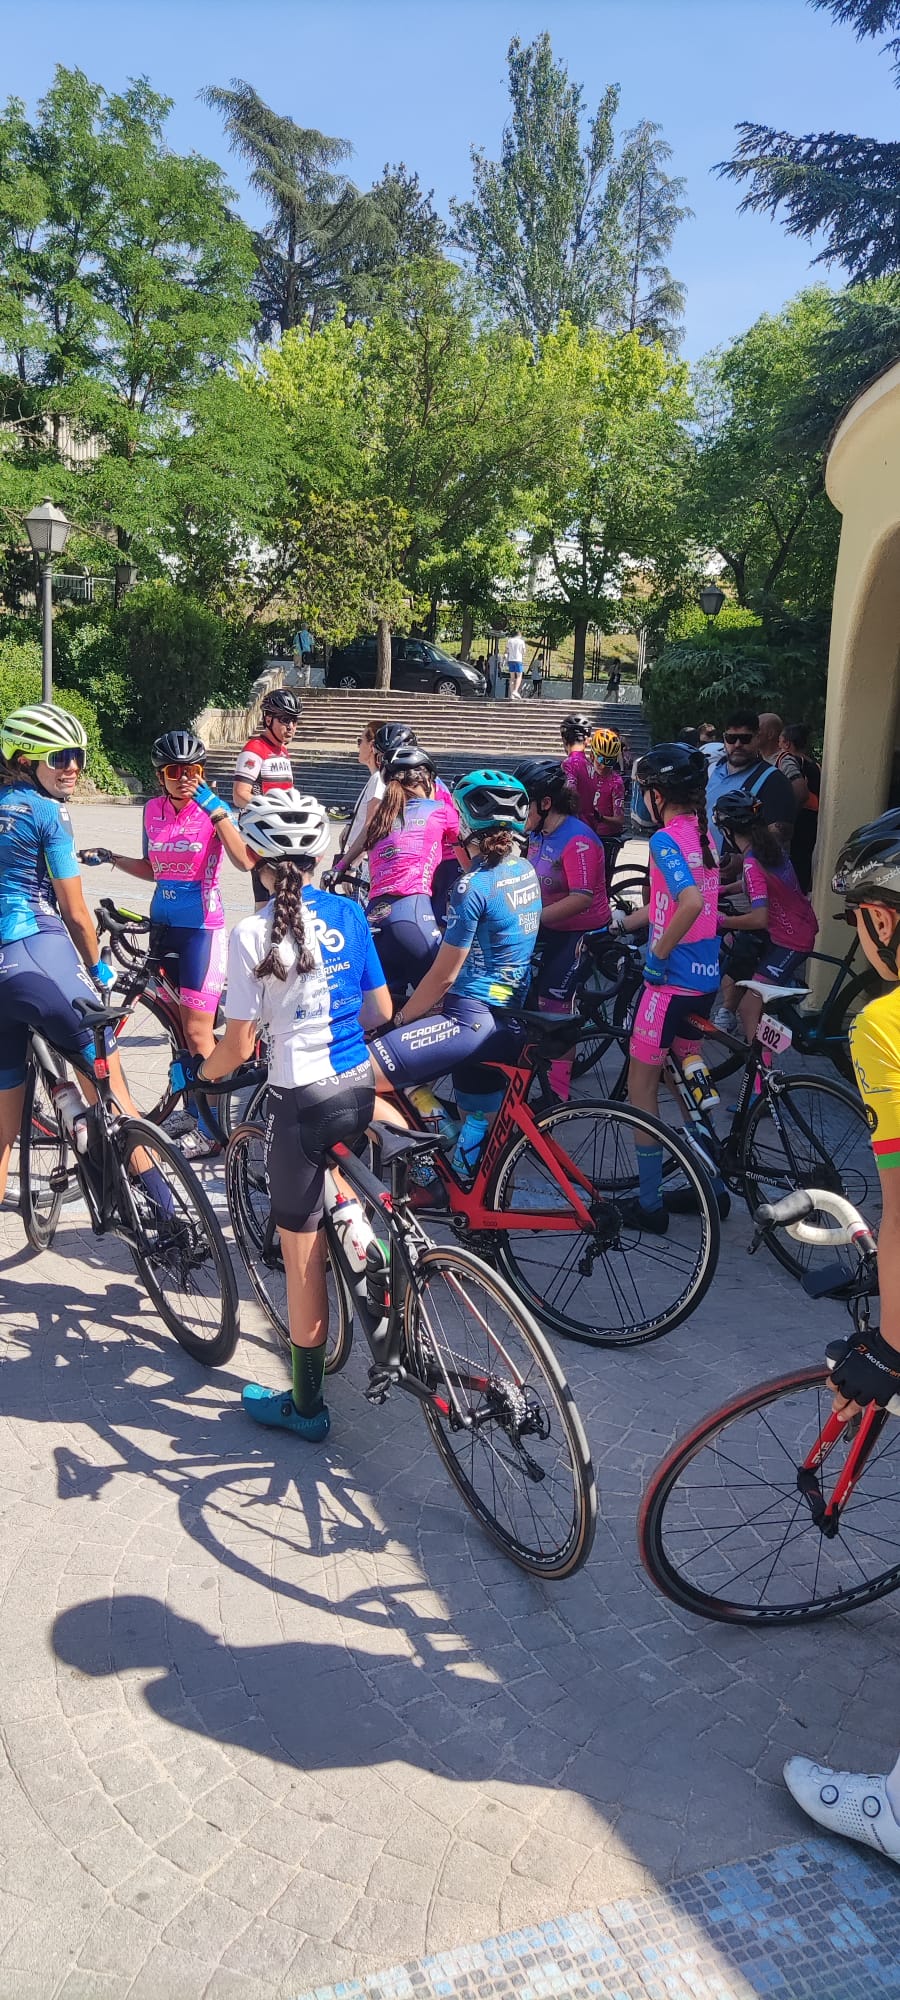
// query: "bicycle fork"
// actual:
[[827, 1514]]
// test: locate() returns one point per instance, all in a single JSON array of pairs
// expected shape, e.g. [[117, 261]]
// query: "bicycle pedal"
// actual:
[[58, 1181], [381, 1382]]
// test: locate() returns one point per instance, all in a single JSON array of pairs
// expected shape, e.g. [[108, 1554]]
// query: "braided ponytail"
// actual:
[[287, 921], [706, 847]]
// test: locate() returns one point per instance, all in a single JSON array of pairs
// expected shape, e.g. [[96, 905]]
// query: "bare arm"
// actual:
[[77, 918], [554, 914], [437, 981], [687, 909], [236, 1046], [128, 864], [241, 792], [756, 919], [234, 846], [377, 1008], [357, 847]]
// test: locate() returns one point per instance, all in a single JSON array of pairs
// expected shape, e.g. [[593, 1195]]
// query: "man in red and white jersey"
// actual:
[[264, 764]]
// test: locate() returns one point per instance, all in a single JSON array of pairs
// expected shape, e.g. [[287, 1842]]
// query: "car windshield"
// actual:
[[440, 658]]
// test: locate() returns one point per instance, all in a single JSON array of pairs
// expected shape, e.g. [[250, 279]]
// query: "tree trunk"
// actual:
[[468, 627], [581, 626], [431, 626], [383, 669]]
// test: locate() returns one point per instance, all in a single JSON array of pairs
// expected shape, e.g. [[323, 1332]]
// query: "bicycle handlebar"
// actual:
[[109, 918], [790, 1214]]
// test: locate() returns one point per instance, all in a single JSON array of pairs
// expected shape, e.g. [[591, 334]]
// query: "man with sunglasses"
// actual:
[[743, 768], [264, 764]]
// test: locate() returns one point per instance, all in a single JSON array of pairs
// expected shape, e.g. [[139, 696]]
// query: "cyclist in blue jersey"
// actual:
[[456, 1012], [306, 968], [48, 940]]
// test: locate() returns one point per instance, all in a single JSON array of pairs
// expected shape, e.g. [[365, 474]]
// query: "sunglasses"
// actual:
[[58, 760], [739, 736], [174, 771]]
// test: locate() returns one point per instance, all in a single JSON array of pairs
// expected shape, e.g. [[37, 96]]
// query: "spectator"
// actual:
[[742, 767], [691, 737], [770, 728], [536, 672], [514, 658], [613, 681], [709, 739], [493, 672], [795, 743]]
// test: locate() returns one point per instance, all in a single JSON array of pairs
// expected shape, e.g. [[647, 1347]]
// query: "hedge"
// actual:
[[20, 684], [703, 679]]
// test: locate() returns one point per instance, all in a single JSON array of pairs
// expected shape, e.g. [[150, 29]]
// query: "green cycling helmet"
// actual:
[[489, 799], [40, 730]]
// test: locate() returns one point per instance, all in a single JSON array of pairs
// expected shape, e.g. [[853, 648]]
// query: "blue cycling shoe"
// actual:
[[277, 1407]]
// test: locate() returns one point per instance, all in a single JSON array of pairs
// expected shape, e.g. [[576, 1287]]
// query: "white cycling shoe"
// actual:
[[849, 1802]]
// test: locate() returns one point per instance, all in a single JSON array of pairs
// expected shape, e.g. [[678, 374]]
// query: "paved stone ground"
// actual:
[[273, 1717]]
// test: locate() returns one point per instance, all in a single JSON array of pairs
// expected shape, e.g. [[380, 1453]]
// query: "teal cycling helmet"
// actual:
[[486, 800]]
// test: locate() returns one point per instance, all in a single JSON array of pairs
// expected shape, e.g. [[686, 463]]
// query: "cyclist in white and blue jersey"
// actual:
[[305, 968]]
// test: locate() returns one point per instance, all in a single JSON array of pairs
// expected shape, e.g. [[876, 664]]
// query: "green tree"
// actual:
[[652, 209]]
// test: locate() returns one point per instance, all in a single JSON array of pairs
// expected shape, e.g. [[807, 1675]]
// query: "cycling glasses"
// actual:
[[59, 759], [733, 736], [174, 771]]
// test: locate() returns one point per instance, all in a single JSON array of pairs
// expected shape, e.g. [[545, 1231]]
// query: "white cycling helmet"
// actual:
[[40, 730], [285, 826]]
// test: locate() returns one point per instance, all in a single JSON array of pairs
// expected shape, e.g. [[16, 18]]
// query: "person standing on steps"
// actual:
[[514, 659], [264, 764]]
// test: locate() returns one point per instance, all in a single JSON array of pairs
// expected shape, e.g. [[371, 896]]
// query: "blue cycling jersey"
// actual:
[[312, 1017], [37, 848], [496, 913]]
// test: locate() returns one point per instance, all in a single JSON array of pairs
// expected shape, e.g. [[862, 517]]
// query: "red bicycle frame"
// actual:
[[826, 1514]]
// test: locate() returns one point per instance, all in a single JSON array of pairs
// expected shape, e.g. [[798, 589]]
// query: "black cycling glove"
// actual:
[[865, 1368]]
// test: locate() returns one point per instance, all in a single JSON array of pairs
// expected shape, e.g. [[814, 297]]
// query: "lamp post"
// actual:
[[48, 532], [125, 579], [711, 600]]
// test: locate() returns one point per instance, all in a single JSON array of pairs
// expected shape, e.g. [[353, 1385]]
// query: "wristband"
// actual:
[[398, 1021]]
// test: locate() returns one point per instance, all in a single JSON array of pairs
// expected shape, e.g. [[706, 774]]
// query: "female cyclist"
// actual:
[[378, 743], [405, 842], [681, 969], [456, 1013], [575, 730], [568, 860], [603, 755], [307, 969], [779, 929], [186, 831]]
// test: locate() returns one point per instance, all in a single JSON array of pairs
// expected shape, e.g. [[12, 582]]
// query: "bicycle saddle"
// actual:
[[771, 994], [98, 1017]]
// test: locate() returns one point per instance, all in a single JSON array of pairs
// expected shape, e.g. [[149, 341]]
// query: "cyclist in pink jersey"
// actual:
[[448, 869], [774, 936], [405, 843], [186, 831], [603, 755], [575, 731]]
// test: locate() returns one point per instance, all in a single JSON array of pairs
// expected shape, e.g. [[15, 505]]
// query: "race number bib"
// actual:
[[773, 1035]]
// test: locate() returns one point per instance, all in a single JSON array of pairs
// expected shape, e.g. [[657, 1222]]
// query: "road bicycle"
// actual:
[[347, 882], [452, 1334], [771, 1511], [100, 1155], [553, 1204]]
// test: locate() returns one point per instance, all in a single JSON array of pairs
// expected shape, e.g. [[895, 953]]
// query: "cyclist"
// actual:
[[386, 737], [866, 1368], [603, 756], [457, 1011], [405, 842], [575, 731], [264, 764], [47, 933], [681, 969], [186, 832], [306, 968], [368, 798], [569, 864], [779, 929]]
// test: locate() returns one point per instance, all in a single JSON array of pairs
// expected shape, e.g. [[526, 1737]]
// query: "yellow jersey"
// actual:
[[875, 1048]]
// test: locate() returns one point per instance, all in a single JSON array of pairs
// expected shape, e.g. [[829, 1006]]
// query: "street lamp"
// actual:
[[711, 600], [48, 532], [125, 580]]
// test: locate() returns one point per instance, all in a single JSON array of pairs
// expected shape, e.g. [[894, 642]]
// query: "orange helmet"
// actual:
[[604, 747]]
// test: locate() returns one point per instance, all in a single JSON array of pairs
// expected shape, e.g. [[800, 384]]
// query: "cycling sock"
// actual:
[[559, 1078], [892, 1787], [650, 1166], [158, 1190], [308, 1368]]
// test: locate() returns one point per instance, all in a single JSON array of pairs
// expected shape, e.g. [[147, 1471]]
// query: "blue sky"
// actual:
[[420, 80]]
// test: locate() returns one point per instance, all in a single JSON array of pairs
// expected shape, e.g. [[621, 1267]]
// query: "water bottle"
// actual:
[[70, 1104], [467, 1151], [699, 1082], [365, 1254], [435, 1115]]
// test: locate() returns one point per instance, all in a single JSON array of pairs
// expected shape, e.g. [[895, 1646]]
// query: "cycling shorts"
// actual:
[[407, 937], [302, 1124], [661, 1021], [196, 962], [560, 969], [758, 958], [41, 977], [467, 1028]]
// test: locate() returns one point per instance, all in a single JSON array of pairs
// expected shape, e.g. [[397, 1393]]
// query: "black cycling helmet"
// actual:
[[542, 777], [177, 746], [867, 870], [408, 761], [674, 770], [576, 728], [737, 812], [392, 736], [283, 704]]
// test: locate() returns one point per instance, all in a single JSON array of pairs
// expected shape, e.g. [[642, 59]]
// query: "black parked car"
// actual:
[[415, 663]]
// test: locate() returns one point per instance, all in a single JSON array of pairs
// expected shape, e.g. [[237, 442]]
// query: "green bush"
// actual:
[[702, 679], [691, 623], [20, 683], [90, 655], [173, 657], [244, 658]]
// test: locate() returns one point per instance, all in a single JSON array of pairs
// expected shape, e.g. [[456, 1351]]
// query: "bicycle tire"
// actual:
[[146, 1057], [613, 1172], [424, 1347], [42, 1152], [844, 1165], [267, 1279], [176, 1248], [833, 1032], [818, 1557]]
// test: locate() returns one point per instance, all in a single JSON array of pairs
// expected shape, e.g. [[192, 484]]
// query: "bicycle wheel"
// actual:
[[809, 1132], [42, 1155], [617, 1284], [501, 1413], [147, 1041], [834, 1029], [725, 1532], [181, 1256], [248, 1206]]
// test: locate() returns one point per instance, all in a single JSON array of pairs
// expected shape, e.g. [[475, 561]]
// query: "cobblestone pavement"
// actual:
[[276, 1716]]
